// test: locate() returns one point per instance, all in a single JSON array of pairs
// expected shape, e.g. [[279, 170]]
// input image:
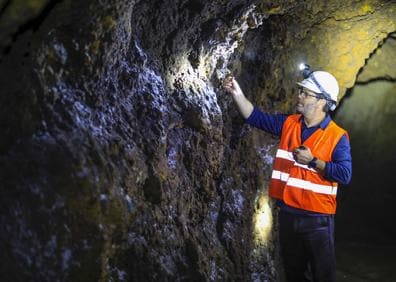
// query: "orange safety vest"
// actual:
[[296, 184]]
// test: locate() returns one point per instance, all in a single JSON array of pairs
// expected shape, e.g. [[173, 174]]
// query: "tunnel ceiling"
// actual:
[[379, 65], [122, 158]]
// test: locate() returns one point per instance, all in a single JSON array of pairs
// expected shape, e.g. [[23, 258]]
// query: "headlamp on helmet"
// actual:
[[305, 70]]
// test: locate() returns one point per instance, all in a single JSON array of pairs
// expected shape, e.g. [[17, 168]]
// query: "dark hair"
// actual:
[[326, 108]]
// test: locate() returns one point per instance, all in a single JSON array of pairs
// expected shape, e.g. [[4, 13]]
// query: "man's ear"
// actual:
[[322, 102]]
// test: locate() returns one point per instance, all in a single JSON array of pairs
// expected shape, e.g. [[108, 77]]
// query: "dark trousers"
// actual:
[[307, 247]]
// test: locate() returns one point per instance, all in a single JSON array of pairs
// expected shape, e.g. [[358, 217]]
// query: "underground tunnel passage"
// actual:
[[122, 157], [365, 215]]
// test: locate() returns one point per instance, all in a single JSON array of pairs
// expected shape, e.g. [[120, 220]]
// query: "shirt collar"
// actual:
[[322, 125]]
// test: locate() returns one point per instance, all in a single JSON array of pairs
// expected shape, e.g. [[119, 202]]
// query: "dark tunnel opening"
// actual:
[[366, 232]]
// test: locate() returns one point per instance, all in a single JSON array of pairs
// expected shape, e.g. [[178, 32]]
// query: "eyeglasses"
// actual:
[[305, 94]]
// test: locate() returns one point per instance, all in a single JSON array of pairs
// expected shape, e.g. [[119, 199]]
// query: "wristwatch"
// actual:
[[312, 163]]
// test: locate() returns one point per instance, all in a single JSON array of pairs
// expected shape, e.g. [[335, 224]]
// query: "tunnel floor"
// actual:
[[359, 262]]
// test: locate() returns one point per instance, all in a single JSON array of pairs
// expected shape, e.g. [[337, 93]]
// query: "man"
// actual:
[[312, 157]]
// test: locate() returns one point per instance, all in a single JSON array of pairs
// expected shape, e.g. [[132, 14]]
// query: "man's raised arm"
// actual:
[[244, 105]]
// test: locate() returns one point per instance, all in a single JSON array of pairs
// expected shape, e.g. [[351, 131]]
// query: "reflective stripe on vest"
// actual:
[[289, 156], [302, 184], [299, 185]]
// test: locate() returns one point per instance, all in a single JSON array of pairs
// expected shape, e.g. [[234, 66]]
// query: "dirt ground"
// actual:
[[358, 262]]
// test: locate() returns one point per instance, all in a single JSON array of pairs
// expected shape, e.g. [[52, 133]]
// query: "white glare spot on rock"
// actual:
[[61, 52], [265, 154], [237, 201], [262, 220], [129, 203], [50, 247], [66, 257], [213, 270], [121, 274], [172, 154]]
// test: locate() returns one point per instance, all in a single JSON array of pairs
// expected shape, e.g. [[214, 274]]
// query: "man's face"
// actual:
[[307, 101]]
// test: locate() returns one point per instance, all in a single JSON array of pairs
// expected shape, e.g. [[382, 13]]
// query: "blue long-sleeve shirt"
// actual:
[[340, 167]]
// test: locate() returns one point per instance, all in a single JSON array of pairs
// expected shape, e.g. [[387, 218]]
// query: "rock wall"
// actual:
[[122, 158]]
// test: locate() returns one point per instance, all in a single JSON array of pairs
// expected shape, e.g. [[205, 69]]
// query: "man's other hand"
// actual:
[[302, 155]]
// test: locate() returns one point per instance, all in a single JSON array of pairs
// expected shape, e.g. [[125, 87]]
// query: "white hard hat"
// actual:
[[322, 82]]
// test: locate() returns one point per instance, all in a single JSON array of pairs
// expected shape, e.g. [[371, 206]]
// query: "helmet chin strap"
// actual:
[[330, 103]]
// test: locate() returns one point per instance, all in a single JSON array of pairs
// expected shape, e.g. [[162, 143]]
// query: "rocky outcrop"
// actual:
[[121, 156]]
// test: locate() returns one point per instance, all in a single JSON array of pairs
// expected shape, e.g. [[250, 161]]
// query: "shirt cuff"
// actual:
[[251, 117]]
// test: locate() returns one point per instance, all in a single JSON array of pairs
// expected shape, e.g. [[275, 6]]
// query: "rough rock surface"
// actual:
[[121, 158]]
